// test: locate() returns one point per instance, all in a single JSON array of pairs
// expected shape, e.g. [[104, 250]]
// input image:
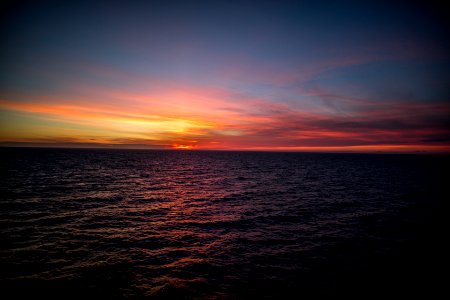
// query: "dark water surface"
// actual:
[[219, 225]]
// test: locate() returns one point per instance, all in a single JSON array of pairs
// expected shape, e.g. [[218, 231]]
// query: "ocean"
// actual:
[[114, 224]]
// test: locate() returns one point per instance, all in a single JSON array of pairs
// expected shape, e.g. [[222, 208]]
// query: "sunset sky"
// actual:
[[255, 75]]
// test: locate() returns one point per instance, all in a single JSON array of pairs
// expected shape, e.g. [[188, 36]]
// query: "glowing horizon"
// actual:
[[184, 77]]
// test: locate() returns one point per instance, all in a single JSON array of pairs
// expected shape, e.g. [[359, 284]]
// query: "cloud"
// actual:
[[258, 123], [158, 112]]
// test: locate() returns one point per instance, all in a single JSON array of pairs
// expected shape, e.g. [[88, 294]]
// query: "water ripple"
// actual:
[[208, 225]]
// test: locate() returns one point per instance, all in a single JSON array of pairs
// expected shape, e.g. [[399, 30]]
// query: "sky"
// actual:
[[227, 75]]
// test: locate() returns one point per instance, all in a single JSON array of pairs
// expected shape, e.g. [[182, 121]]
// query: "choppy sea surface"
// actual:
[[118, 224]]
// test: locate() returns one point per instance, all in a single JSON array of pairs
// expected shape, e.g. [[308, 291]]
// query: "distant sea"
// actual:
[[113, 224]]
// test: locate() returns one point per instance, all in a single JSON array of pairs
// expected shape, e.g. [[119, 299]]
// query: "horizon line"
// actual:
[[363, 149]]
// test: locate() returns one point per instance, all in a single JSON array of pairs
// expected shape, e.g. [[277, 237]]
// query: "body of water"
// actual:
[[218, 225]]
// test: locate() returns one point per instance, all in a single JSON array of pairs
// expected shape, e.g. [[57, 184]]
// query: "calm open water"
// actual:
[[218, 225]]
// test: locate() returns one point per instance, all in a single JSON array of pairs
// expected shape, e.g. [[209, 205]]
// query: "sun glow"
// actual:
[[185, 147]]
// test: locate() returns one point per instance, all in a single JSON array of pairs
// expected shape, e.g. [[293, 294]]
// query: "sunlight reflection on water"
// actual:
[[202, 224]]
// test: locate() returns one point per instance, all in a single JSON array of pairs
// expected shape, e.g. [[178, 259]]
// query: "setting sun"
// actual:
[[176, 146]]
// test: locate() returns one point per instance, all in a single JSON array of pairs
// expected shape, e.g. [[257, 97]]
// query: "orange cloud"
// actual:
[[194, 117]]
